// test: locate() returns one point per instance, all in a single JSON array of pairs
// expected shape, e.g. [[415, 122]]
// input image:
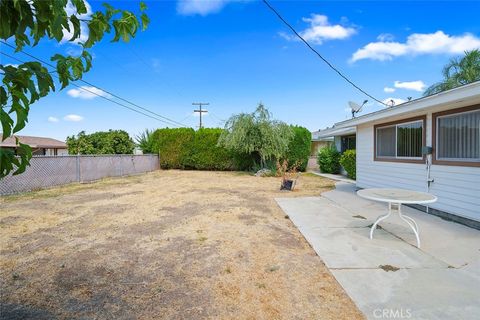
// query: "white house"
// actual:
[[391, 150]]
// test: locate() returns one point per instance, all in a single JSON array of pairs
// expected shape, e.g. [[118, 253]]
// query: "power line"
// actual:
[[319, 55], [95, 93], [173, 122]]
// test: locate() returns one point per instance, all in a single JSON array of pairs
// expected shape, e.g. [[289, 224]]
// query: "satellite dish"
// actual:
[[355, 107]]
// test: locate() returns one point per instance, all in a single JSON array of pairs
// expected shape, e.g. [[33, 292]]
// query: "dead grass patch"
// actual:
[[168, 244]]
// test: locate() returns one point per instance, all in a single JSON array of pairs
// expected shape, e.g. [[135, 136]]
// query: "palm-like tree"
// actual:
[[145, 141], [458, 72]]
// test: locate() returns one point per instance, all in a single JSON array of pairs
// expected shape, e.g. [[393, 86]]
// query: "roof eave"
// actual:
[[459, 94]]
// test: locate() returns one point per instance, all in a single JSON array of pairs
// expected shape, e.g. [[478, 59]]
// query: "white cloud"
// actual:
[[87, 93], [393, 101], [411, 85], [201, 7], [385, 37], [321, 30], [418, 43], [52, 119], [73, 117], [72, 10], [389, 90]]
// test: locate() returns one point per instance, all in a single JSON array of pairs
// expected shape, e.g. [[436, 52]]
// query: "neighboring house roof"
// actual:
[[458, 97], [34, 142]]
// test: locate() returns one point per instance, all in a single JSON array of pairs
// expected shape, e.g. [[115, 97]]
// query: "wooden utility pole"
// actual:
[[199, 110]]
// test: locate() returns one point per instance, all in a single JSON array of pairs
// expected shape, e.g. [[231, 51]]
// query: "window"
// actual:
[[457, 136], [348, 142], [399, 141]]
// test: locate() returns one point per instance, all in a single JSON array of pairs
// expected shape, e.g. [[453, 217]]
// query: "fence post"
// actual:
[[121, 165], [78, 168]]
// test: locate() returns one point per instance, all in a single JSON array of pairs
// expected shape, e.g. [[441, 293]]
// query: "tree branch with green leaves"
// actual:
[[26, 23]]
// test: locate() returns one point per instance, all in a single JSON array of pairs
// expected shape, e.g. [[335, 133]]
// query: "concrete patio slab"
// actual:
[[438, 281], [424, 294]]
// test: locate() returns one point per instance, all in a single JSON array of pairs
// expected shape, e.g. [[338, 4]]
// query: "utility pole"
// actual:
[[199, 110]]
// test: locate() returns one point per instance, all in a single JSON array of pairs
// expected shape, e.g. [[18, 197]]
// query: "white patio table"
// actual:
[[398, 197]]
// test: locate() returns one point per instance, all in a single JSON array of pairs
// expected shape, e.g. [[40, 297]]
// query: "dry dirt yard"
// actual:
[[164, 245]]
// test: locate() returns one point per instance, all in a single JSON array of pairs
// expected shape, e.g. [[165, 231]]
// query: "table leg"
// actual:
[[411, 223], [383, 217]]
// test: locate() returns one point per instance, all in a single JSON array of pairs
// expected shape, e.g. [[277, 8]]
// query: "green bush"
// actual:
[[206, 155], [244, 161], [174, 146], [299, 148], [349, 163], [185, 148], [101, 142], [329, 160]]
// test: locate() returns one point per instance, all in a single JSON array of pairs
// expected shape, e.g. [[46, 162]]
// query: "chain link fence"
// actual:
[[49, 171]]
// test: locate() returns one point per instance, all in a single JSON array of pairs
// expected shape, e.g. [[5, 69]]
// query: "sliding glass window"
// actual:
[[458, 137], [400, 140]]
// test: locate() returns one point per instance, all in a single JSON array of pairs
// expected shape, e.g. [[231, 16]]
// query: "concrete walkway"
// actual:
[[389, 277]]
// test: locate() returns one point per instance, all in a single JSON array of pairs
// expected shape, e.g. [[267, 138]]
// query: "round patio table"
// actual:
[[398, 197]]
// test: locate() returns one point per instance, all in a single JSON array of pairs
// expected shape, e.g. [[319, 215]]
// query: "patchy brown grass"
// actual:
[[168, 244]]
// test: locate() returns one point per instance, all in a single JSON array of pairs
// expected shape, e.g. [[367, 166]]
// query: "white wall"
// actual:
[[60, 152], [457, 188]]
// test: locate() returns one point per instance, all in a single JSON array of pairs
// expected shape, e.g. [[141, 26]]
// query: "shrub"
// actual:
[[101, 142], [299, 148], [174, 146], [206, 155], [329, 160], [145, 141], [349, 163]]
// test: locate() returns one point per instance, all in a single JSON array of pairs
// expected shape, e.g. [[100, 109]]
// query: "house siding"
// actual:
[[457, 187]]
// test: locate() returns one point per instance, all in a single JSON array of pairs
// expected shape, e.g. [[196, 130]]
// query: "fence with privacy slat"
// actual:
[[49, 171]]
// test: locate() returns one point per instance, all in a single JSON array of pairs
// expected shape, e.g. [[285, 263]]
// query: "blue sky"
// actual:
[[234, 54]]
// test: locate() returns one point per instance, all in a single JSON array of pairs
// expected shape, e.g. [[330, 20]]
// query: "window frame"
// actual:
[[435, 117], [422, 118]]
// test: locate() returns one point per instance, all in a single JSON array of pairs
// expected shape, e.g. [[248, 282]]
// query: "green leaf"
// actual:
[[143, 6], [7, 124], [80, 5], [145, 21], [76, 28]]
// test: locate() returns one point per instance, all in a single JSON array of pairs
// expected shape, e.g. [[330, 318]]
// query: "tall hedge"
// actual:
[[299, 148], [206, 155], [185, 148], [174, 146]]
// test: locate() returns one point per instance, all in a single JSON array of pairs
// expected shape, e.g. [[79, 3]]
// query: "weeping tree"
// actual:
[[458, 72], [26, 23], [256, 134]]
